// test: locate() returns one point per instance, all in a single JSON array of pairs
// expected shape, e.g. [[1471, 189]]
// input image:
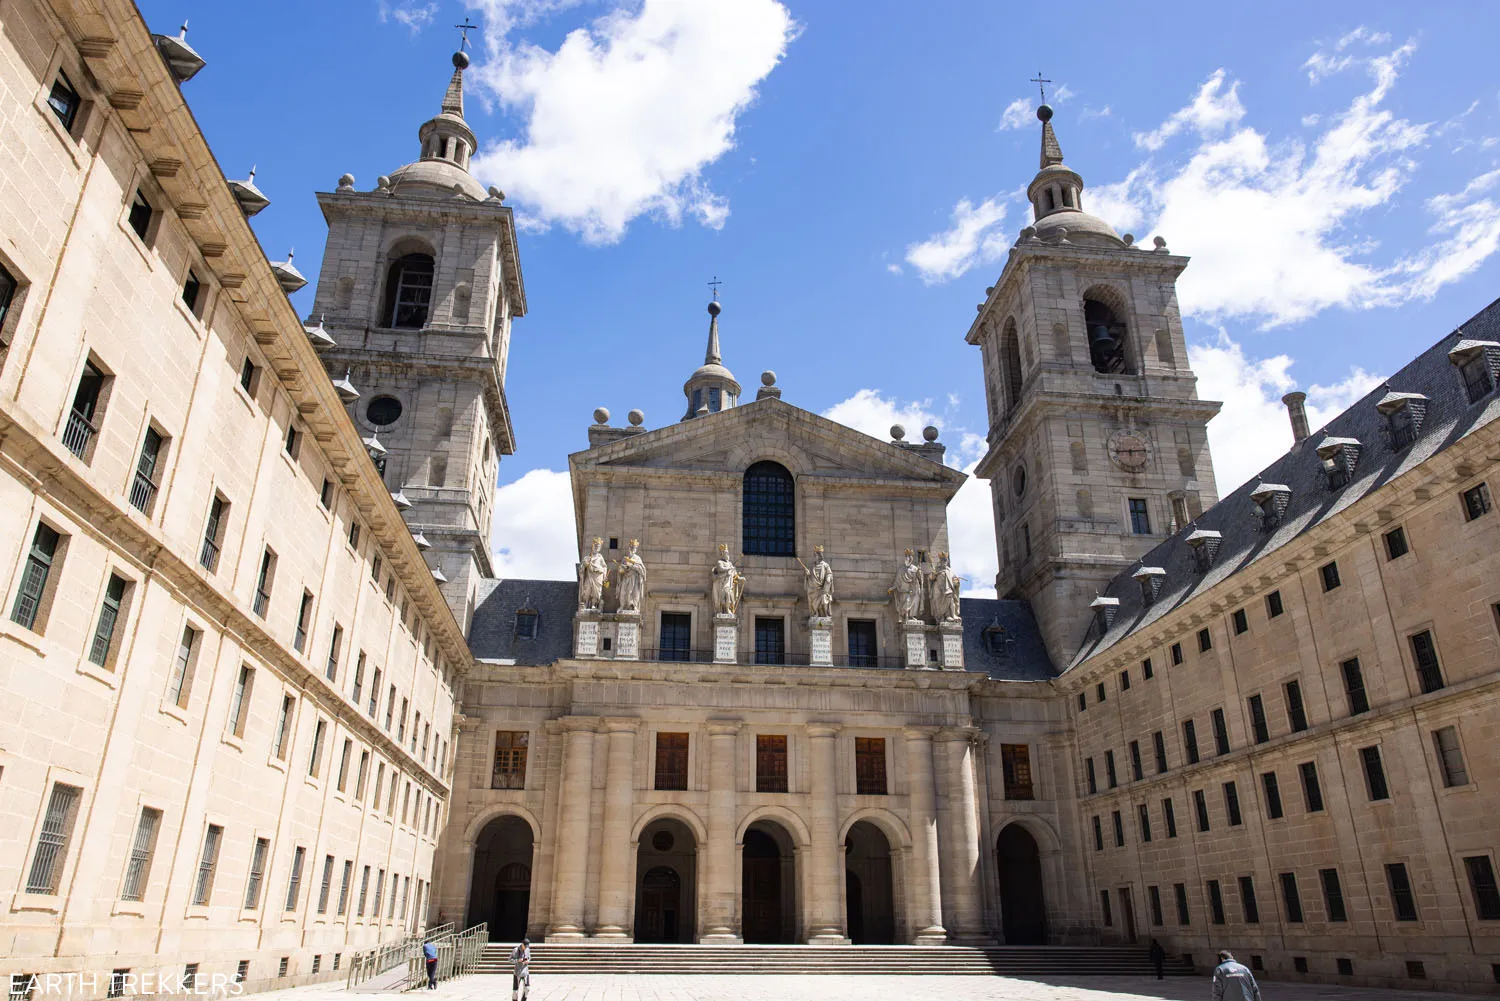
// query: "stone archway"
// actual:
[[869, 889], [666, 883], [768, 902], [500, 887], [1023, 909]]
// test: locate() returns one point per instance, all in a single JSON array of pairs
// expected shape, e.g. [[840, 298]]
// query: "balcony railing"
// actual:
[[142, 492], [785, 659], [208, 556], [78, 433]]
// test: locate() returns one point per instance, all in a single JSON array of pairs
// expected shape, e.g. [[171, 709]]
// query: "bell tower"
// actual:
[[420, 281], [1098, 446]]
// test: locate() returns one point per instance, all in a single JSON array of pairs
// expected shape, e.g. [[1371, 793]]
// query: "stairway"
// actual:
[[749, 960]]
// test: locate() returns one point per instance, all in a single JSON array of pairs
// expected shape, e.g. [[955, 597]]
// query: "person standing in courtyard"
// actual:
[[1233, 981], [429, 954], [520, 978], [1158, 959]]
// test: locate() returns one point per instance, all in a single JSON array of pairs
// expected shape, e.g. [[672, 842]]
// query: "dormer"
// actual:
[[1271, 500], [1339, 455], [1205, 544], [1150, 579], [1477, 363], [1105, 610], [1404, 413]]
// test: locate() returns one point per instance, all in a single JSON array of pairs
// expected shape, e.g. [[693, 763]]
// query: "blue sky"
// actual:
[[853, 175]]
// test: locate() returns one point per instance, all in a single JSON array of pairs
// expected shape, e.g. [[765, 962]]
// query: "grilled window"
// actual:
[[770, 763], [862, 651], [769, 511], [1015, 767], [31, 595], [327, 884], [1450, 757], [676, 636], [1424, 653], [1296, 712], [142, 849], [1476, 502], [208, 863], [510, 759], [671, 760], [869, 766], [85, 414], [213, 534], [294, 879], [770, 641], [409, 291], [52, 841], [143, 485], [344, 896], [102, 649], [304, 622], [264, 581]]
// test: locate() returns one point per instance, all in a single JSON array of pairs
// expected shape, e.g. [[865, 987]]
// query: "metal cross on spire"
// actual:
[[1041, 83], [464, 29], [715, 286]]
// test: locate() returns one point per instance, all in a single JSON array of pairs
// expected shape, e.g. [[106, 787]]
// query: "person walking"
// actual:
[[1158, 959], [1233, 981], [429, 953], [520, 978]]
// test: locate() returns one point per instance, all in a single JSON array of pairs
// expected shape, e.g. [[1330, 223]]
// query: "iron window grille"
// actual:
[[769, 511], [1429, 672], [52, 841], [142, 849], [208, 862], [208, 555], [770, 763], [510, 759], [869, 766], [672, 761]]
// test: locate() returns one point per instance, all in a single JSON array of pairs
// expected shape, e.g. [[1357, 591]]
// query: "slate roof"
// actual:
[[1016, 652], [1449, 417]]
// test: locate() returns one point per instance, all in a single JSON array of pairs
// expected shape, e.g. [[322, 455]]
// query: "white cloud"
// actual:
[[873, 414], [974, 237], [1470, 228], [533, 534], [624, 117], [1253, 429], [1211, 112], [1103, 112], [1017, 115], [413, 17], [1327, 60]]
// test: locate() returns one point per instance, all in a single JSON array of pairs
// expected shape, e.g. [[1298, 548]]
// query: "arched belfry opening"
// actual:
[[1023, 911], [1107, 335], [1010, 362], [500, 888], [769, 884], [769, 511], [666, 883], [408, 291]]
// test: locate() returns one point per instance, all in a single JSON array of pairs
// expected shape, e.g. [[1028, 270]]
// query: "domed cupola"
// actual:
[[447, 146], [712, 387], [1056, 196]]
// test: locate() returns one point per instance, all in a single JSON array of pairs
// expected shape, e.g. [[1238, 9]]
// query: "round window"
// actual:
[[1018, 480], [383, 410], [662, 841]]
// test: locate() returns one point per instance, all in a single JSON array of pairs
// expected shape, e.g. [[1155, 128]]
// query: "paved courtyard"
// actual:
[[861, 988]]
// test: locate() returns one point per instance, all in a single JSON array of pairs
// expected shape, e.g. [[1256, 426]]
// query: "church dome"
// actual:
[[435, 179], [447, 144], [1056, 196], [711, 387]]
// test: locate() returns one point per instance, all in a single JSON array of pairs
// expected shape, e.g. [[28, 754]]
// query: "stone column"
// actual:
[[615, 862], [825, 859], [575, 806], [720, 875], [926, 881], [960, 837]]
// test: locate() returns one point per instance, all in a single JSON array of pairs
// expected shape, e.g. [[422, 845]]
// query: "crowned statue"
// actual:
[[907, 591], [944, 585], [631, 575], [729, 584], [818, 579], [591, 578]]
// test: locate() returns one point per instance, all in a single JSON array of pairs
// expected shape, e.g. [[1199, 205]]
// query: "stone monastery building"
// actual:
[[270, 706]]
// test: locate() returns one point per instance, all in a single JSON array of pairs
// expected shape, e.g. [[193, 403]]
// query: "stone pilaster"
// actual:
[[616, 862], [720, 875], [825, 869], [926, 881], [959, 837], [576, 802]]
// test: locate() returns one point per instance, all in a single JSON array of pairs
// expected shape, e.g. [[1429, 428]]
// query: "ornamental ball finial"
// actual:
[[714, 309], [636, 418], [897, 432], [601, 415], [930, 433], [461, 60], [1044, 113], [768, 378]]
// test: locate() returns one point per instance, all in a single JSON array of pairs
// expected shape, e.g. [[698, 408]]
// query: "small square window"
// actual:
[[526, 624], [1299, 963], [1241, 621], [1329, 572], [1395, 543], [1273, 605], [1476, 501], [614, 542], [1345, 966], [1415, 969]]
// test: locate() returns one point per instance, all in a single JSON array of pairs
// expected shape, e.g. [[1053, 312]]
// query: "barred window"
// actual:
[[869, 766], [671, 760], [52, 841], [769, 516], [1015, 767], [208, 863], [294, 880], [510, 760], [142, 849], [409, 291], [257, 873], [770, 763]]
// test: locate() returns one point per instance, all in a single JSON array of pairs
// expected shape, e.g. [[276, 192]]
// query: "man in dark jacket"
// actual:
[[1234, 981], [1158, 959]]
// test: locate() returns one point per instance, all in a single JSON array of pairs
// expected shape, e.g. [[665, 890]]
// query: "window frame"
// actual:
[[873, 779], [768, 510], [771, 763]]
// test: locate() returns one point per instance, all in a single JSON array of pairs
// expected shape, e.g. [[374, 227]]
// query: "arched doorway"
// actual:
[[500, 889], [1023, 912], [869, 897], [768, 889], [666, 874]]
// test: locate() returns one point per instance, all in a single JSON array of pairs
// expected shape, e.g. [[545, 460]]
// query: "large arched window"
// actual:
[[1106, 334], [408, 291], [770, 511]]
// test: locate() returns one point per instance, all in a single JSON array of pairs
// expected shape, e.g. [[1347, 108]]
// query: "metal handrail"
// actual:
[[788, 659], [142, 492], [458, 953], [373, 962], [78, 433]]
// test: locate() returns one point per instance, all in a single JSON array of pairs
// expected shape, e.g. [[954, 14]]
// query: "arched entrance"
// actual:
[[666, 874], [769, 897], [500, 889], [1023, 912], [869, 896]]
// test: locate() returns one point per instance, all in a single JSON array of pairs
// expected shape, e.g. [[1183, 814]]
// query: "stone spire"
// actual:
[[453, 100], [712, 356], [447, 146], [1051, 150], [712, 387]]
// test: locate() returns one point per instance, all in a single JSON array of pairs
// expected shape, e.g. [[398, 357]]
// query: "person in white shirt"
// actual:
[[1234, 981], [520, 978]]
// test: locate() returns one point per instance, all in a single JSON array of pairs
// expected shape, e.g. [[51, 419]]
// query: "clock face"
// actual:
[[1129, 450]]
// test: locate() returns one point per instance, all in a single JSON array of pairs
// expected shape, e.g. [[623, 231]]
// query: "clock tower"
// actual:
[[1098, 446]]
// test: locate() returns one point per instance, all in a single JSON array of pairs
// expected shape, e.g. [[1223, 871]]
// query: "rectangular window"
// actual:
[[102, 648], [294, 879], [1205, 640], [1099, 692], [1190, 741], [52, 841], [1296, 712], [335, 645], [257, 873], [315, 759], [1232, 804], [192, 290], [1015, 768], [1450, 757], [1476, 502], [374, 693], [1475, 371], [87, 412], [326, 885], [862, 643], [1403, 901], [1329, 573], [1153, 894], [208, 862], [1481, 872], [1092, 775], [1083, 701], [304, 622], [1395, 543], [117, 981], [142, 850], [1258, 725], [1375, 782], [143, 485], [1143, 816], [1312, 792], [770, 762], [1354, 687], [325, 496], [1221, 732], [1124, 681], [344, 894], [348, 751], [869, 766], [1140, 518], [1291, 897], [283, 728], [190, 977], [1247, 901], [1176, 654], [1146, 671], [140, 215], [676, 636], [364, 892], [1098, 835], [1200, 807], [1104, 908], [181, 682], [64, 101], [213, 533], [401, 725], [770, 640], [239, 705], [1333, 895], [33, 595], [293, 443], [1272, 790], [1179, 891], [1136, 768], [1215, 902], [510, 759], [1273, 605], [359, 679], [1424, 654], [264, 581], [8, 286], [379, 893], [390, 708], [1159, 745], [375, 564], [361, 775], [1240, 620], [526, 625], [671, 760], [248, 375]]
